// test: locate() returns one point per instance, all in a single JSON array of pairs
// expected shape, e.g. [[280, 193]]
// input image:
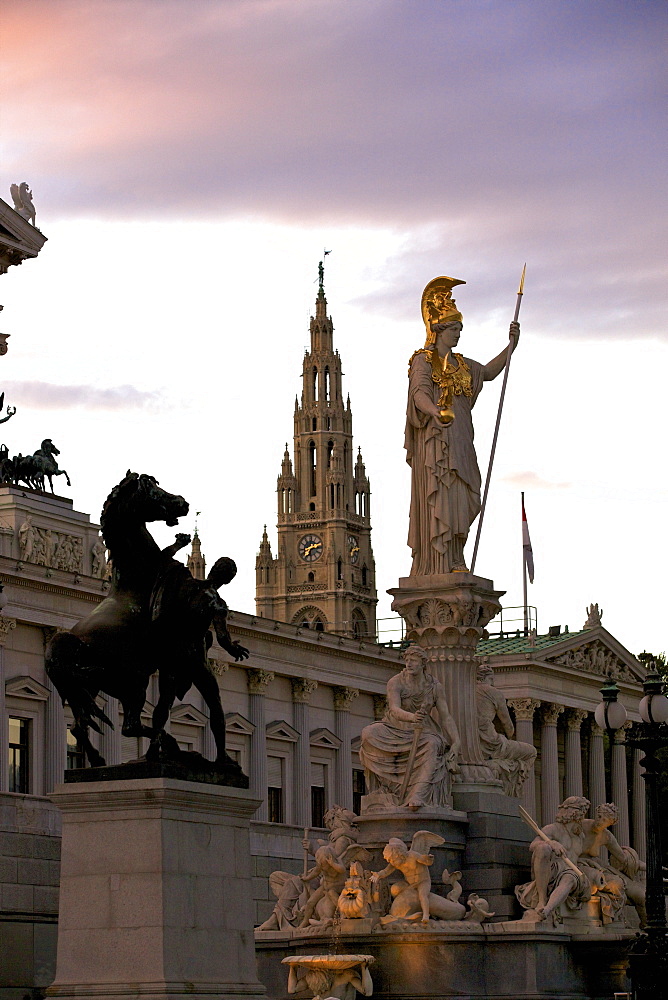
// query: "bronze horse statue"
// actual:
[[155, 615]]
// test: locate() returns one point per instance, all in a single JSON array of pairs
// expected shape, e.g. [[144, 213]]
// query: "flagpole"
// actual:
[[498, 424], [524, 576]]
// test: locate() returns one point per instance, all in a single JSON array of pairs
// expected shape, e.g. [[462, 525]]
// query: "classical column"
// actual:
[[379, 707], [110, 741], [597, 794], [343, 768], [258, 681], [55, 756], [620, 785], [639, 811], [302, 690], [573, 752], [549, 763], [524, 709], [6, 625]]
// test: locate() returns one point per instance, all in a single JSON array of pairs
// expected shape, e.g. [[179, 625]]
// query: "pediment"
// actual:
[[324, 738], [281, 730], [189, 715], [595, 651], [27, 687], [17, 233], [356, 744], [236, 723]]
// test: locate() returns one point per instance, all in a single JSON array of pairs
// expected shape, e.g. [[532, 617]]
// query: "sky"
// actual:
[[191, 159]]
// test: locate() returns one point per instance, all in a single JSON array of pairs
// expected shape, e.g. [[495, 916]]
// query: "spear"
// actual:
[[498, 424]]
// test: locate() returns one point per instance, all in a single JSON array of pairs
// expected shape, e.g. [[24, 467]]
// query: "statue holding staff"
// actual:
[[408, 756], [443, 388]]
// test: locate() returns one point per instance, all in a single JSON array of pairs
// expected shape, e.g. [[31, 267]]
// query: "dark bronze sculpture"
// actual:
[[32, 469], [156, 616]]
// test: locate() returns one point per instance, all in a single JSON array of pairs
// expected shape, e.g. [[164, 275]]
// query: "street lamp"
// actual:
[[648, 957]]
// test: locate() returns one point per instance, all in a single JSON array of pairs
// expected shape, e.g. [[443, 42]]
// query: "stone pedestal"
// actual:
[[155, 891], [446, 616], [376, 829]]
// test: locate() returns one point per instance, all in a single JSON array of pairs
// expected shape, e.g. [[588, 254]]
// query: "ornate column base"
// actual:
[[446, 615]]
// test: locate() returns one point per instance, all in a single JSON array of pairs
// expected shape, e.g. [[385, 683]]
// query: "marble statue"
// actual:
[[510, 760], [409, 755], [555, 880], [330, 977], [412, 898], [332, 870], [618, 881], [23, 204], [27, 538], [291, 893], [150, 619], [593, 616], [356, 897], [98, 556], [445, 478]]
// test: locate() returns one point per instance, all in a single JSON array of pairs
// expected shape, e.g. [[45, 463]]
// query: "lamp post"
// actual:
[[648, 957]]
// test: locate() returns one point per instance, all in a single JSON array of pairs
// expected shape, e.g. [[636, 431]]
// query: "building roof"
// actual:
[[522, 643]]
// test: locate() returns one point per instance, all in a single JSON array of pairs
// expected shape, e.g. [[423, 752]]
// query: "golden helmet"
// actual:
[[438, 305]]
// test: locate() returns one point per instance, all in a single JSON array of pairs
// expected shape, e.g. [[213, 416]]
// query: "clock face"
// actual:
[[353, 549], [310, 548]]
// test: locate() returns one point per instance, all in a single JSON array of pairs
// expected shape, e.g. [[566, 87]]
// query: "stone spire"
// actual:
[[196, 561]]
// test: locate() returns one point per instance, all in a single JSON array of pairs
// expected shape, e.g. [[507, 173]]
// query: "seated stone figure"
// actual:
[[554, 880], [510, 760], [409, 755], [621, 878]]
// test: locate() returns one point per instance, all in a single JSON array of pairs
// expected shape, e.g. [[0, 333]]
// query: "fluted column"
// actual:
[[55, 749], [597, 793], [110, 741], [639, 810], [620, 785], [343, 767], [258, 681], [573, 752], [549, 762], [524, 709], [6, 625], [302, 690]]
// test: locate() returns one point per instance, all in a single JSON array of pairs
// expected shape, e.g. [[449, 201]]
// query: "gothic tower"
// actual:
[[324, 573]]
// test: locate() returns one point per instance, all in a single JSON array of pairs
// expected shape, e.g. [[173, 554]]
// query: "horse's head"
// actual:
[[141, 497], [48, 447]]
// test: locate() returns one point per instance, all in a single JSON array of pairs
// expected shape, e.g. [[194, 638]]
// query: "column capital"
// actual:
[[6, 625], [575, 717], [524, 708], [302, 689], [259, 680], [550, 713], [344, 698], [379, 706], [595, 729], [620, 734]]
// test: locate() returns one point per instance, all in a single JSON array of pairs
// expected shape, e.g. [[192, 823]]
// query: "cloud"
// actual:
[[489, 133], [532, 481], [48, 396]]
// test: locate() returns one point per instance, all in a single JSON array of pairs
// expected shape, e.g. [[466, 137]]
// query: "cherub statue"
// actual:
[[412, 895]]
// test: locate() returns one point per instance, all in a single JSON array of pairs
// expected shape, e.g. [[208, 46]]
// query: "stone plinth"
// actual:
[[505, 961], [155, 891], [446, 616]]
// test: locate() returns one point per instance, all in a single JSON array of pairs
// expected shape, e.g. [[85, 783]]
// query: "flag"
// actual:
[[526, 544]]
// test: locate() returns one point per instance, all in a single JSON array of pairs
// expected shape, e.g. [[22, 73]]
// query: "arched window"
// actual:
[[318, 625], [315, 384], [365, 576], [329, 423], [345, 456], [312, 461], [359, 624], [331, 496], [311, 506], [314, 424], [339, 570], [327, 384], [311, 577], [330, 451]]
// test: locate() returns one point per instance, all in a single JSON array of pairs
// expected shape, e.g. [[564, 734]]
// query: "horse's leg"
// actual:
[[80, 733], [207, 685], [67, 478], [166, 698], [133, 702]]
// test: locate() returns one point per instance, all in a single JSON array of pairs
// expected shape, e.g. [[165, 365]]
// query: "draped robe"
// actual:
[[445, 479]]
